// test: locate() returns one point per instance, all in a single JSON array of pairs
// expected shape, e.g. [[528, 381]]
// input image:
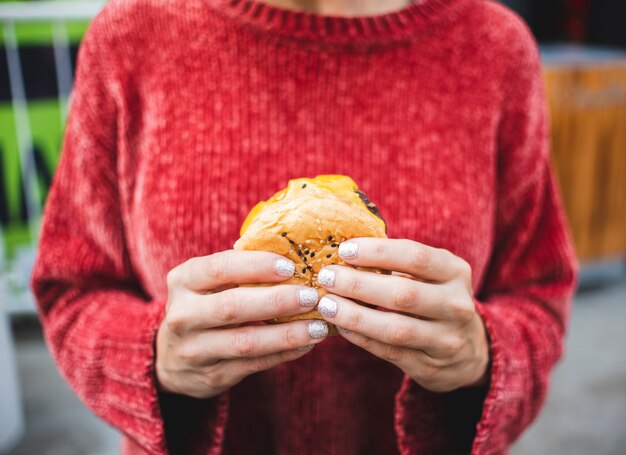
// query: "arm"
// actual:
[[156, 369], [527, 294], [525, 298], [521, 308], [524, 305], [99, 324]]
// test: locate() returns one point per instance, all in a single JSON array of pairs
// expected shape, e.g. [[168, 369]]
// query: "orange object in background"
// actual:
[[586, 90]]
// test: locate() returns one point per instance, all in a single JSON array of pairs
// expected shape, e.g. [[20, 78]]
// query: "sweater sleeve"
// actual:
[[99, 323], [526, 293], [526, 297]]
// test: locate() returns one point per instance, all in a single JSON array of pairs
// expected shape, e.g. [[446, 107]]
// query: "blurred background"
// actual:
[[583, 45]]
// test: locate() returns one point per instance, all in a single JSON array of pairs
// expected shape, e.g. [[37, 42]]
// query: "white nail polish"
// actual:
[[284, 267], [308, 297], [348, 250], [327, 307], [326, 277], [318, 329], [306, 348]]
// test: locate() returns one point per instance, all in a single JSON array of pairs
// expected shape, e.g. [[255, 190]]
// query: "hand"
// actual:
[[429, 326], [202, 348]]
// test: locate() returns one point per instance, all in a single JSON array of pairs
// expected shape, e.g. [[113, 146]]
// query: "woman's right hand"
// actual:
[[201, 347]]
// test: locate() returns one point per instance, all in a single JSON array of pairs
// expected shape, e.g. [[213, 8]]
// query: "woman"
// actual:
[[185, 114]]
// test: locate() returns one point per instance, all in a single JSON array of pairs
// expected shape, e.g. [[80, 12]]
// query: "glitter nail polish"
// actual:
[[306, 348], [348, 250], [327, 307], [318, 329], [308, 297], [326, 277], [284, 267]]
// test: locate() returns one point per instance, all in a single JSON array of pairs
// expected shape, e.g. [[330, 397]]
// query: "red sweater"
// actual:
[[186, 113]]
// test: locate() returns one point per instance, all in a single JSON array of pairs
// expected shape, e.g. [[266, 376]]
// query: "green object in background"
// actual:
[[44, 109], [30, 33], [47, 133], [34, 40]]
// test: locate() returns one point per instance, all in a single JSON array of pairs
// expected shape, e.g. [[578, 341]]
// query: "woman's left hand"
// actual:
[[429, 326]]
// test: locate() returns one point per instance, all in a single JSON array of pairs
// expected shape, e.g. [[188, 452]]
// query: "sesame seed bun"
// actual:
[[305, 222]]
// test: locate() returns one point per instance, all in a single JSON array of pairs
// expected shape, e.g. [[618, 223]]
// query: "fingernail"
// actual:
[[344, 331], [318, 329], [326, 277], [306, 348], [308, 297], [348, 250], [284, 267], [327, 307]]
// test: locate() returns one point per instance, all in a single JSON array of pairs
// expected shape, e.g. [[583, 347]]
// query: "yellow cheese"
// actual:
[[341, 185]]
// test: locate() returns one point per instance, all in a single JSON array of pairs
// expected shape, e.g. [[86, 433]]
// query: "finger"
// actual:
[[231, 267], [398, 355], [417, 364], [387, 327], [248, 304], [254, 341], [240, 368], [390, 291], [402, 255]]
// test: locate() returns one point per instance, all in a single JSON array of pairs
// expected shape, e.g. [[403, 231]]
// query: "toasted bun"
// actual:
[[305, 222]]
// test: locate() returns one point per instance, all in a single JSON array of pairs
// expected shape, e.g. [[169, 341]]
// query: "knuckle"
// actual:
[[433, 362], [405, 295], [173, 278], [366, 343], [379, 250], [463, 267], [419, 259], [214, 268], [216, 379], [276, 301], [400, 334], [258, 364], [355, 321], [462, 310], [243, 343], [392, 353], [290, 337], [354, 285], [451, 344], [189, 354], [176, 320], [226, 308]]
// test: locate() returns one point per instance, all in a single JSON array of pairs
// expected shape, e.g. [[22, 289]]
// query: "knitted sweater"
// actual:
[[186, 113]]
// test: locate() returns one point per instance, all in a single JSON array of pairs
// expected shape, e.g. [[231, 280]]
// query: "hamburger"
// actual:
[[306, 222]]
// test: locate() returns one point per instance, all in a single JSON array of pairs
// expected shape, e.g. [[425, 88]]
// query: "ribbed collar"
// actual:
[[398, 25]]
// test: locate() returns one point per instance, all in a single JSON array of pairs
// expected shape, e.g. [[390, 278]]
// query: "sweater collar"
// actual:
[[400, 25]]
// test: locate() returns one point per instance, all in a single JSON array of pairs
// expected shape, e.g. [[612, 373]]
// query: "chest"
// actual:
[[198, 153]]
